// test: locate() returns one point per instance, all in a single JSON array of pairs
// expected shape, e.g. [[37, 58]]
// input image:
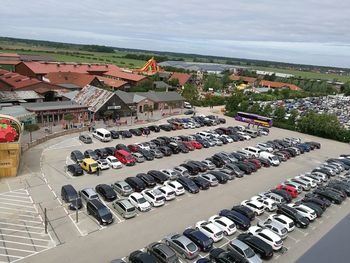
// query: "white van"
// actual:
[[205, 135], [270, 157], [187, 105], [102, 134], [253, 151], [252, 133]]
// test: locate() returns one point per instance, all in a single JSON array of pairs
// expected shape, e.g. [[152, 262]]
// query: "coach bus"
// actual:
[[254, 119]]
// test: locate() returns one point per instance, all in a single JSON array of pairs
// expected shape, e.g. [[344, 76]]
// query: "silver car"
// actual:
[[156, 153], [244, 250], [209, 164], [182, 245], [138, 157], [124, 208], [274, 227], [210, 178], [170, 173], [88, 194], [122, 188]]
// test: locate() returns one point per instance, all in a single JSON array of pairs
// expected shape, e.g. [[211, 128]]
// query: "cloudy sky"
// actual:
[[300, 31]]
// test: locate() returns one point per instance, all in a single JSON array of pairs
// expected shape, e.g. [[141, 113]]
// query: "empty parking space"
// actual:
[[22, 231]]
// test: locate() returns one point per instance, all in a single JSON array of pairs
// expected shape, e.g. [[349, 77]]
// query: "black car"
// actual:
[[330, 194], [121, 146], [235, 169], [174, 147], [244, 211], [340, 187], [286, 196], [158, 142], [201, 183], [126, 134], [300, 221], [251, 165], [147, 179], [219, 255], [264, 162], [246, 168], [242, 222], [222, 178], [318, 210], [141, 257], [110, 150], [222, 157], [145, 130], [165, 127], [75, 169], [158, 176], [70, 195], [318, 201], [238, 156], [154, 128], [188, 184], [148, 156], [201, 166], [98, 210], [322, 170], [165, 139], [317, 145], [182, 147], [192, 169], [106, 191], [165, 150], [114, 134], [135, 132], [90, 154], [219, 163], [136, 184], [101, 153], [203, 242], [77, 156], [203, 142], [259, 246]]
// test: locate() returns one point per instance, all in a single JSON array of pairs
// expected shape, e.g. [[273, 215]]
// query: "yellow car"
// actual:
[[89, 165]]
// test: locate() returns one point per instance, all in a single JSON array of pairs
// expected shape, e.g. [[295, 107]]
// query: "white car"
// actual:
[[168, 193], [269, 204], [308, 180], [264, 147], [143, 147], [137, 200], [154, 197], [313, 178], [181, 170], [210, 230], [170, 173], [226, 225], [284, 221], [114, 162], [268, 236], [217, 141], [244, 135], [102, 164], [185, 125], [305, 211], [176, 187], [254, 205], [209, 164], [191, 125], [210, 178]]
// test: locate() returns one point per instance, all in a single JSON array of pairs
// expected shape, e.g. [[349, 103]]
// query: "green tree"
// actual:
[[190, 93], [267, 111], [226, 79], [31, 128], [244, 105], [285, 93], [255, 108], [346, 88], [174, 82], [293, 116], [68, 117], [212, 82], [280, 113], [232, 104]]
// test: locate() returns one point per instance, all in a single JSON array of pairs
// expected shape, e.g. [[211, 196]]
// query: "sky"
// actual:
[[296, 31]]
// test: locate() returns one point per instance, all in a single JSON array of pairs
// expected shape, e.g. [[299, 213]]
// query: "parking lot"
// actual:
[[76, 239]]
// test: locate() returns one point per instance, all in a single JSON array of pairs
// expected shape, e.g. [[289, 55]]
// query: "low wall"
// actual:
[[27, 146]]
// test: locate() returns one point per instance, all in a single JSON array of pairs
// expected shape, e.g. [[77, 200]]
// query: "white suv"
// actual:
[[225, 224], [176, 187], [154, 198], [254, 205], [210, 230]]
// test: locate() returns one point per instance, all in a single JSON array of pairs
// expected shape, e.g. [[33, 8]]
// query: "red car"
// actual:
[[133, 147], [196, 144], [125, 157], [188, 145], [256, 162], [289, 189]]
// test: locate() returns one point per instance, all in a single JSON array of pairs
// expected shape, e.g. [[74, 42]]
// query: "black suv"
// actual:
[[300, 221], [75, 169], [147, 179], [136, 184], [77, 156], [188, 184], [158, 176], [70, 195]]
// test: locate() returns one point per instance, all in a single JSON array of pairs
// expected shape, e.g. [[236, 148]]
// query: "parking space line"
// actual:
[[20, 210], [14, 200], [10, 194], [76, 225], [5, 223], [23, 237], [16, 230], [30, 221], [7, 213], [301, 231], [24, 244], [111, 209], [4, 203], [16, 249], [11, 256], [292, 238]]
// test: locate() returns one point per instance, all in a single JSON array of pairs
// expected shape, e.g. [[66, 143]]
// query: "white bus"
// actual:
[[102, 134]]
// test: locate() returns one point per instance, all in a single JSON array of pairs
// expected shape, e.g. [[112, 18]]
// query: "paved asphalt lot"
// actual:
[[42, 174]]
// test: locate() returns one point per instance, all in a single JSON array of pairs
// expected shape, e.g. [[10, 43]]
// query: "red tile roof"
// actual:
[[118, 74], [246, 79], [47, 67], [9, 62], [278, 85], [15, 80], [113, 83], [14, 55], [79, 79], [182, 77]]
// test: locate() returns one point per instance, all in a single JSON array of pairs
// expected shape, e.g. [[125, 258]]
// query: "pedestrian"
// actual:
[[122, 135], [98, 171]]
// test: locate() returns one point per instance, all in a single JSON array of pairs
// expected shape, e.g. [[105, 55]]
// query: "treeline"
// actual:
[[148, 56], [97, 48]]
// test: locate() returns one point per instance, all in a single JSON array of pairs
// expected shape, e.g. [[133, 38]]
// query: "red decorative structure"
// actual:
[[7, 132], [151, 67]]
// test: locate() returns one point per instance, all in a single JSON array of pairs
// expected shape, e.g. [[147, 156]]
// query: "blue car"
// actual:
[[202, 241], [306, 147], [242, 222]]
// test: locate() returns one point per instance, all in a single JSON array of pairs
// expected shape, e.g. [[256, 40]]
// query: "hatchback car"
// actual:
[[203, 242], [114, 162], [122, 188], [268, 236], [75, 169], [124, 208], [183, 245], [162, 252], [106, 192], [226, 225], [137, 200], [244, 250], [210, 230]]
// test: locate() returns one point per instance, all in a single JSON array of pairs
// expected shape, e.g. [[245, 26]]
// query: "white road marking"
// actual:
[[23, 237], [111, 209], [15, 200], [75, 224], [11, 224], [20, 210], [16, 230], [292, 238], [5, 203], [16, 249], [24, 244], [3, 212], [301, 231], [11, 256]]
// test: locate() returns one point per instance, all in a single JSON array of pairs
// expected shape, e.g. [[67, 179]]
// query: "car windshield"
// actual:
[[141, 200], [93, 165], [249, 253], [104, 211], [126, 187], [131, 209], [107, 135], [191, 247], [113, 160]]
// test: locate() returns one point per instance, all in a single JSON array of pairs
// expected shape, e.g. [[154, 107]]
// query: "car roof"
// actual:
[[125, 202], [239, 244], [89, 160]]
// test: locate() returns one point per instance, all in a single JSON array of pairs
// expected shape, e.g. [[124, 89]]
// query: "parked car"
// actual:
[[201, 182], [88, 194], [241, 221], [219, 255], [70, 195], [259, 246], [299, 220], [226, 225], [99, 211], [122, 188], [158, 176], [106, 192], [114, 162], [244, 250], [188, 184], [90, 154], [184, 246], [162, 252], [75, 169], [124, 208], [141, 257], [77, 156], [136, 184], [137, 200], [176, 187], [85, 138], [203, 242], [268, 236], [210, 230], [147, 179]]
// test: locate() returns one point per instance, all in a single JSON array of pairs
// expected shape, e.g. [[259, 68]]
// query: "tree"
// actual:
[[212, 82], [174, 82], [190, 93], [293, 116], [255, 108], [346, 88], [232, 104], [285, 93], [226, 79], [280, 113], [31, 128], [267, 111], [68, 117]]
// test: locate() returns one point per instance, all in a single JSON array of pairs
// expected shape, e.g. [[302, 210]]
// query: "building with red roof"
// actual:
[[246, 80], [277, 85], [112, 83], [182, 77], [72, 80]]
